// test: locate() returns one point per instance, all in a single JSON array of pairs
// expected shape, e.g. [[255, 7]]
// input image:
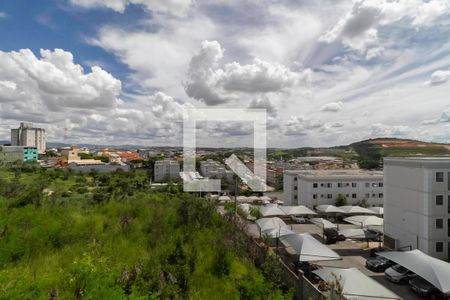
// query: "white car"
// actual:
[[299, 220], [398, 274]]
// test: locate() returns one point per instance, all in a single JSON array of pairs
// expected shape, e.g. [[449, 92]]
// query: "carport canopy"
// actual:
[[308, 248], [355, 284], [364, 221], [297, 210], [268, 211], [270, 223], [328, 208], [433, 270], [324, 223], [354, 209]]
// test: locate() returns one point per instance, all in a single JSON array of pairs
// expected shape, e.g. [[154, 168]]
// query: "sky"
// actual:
[[328, 72]]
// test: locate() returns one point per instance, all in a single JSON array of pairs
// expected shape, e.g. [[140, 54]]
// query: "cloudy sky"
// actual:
[[328, 72]]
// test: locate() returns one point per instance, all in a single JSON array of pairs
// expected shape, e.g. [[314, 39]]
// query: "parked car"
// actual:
[[331, 236], [374, 251], [398, 274], [298, 219], [378, 264], [422, 287]]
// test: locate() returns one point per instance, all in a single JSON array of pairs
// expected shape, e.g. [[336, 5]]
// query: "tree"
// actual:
[[341, 200]]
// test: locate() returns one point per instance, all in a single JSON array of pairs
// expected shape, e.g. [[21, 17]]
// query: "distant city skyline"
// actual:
[[124, 72]]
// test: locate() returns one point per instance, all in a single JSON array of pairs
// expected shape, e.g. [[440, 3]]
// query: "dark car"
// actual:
[[331, 236], [378, 264], [422, 287]]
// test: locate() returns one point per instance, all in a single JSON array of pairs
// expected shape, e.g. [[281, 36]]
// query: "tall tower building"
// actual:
[[28, 136]]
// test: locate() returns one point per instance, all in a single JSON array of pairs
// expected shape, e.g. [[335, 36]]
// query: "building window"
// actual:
[[380, 195], [439, 246], [448, 227], [321, 196], [374, 184], [439, 176], [329, 185], [439, 223], [374, 195], [339, 185], [295, 178], [314, 196], [347, 184], [367, 196], [354, 196], [354, 184], [322, 185], [439, 200], [367, 184], [315, 185], [330, 196], [448, 204], [295, 188], [295, 197], [380, 184]]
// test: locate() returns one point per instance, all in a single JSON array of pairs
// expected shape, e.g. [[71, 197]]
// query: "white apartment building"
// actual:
[[211, 168], [28, 136], [417, 204], [166, 170], [317, 187]]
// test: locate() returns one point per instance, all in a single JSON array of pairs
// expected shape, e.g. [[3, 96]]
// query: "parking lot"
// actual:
[[353, 253]]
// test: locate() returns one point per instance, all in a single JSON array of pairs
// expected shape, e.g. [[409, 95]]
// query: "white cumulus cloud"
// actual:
[[174, 7], [438, 78], [333, 107]]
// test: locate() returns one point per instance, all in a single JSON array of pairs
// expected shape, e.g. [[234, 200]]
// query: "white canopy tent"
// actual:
[[297, 210], [277, 232], [377, 210], [268, 211], [328, 209], [433, 270], [323, 223], [241, 199], [308, 248], [265, 198], [245, 207], [354, 209], [364, 221], [355, 284], [357, 233], [253, 198], [265, 224], [224, 199]]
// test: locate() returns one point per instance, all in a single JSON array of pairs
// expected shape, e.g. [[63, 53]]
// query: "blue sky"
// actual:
[[126, 71]]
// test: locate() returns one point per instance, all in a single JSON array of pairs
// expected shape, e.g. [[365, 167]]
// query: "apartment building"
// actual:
[[214, 169], [28, 136], [166, 170], [317, 187], [417, 204]]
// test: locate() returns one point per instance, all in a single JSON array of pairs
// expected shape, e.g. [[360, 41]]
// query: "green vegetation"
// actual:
[[110, 236], [341, 200]]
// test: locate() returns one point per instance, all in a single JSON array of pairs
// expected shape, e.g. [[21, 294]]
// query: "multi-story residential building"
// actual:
[[166, 170], [214, 169], [417, 204], [28, 136], [317, 187], [12, 154]]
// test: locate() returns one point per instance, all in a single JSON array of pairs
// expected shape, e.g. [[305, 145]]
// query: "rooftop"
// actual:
[[334, 173]]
